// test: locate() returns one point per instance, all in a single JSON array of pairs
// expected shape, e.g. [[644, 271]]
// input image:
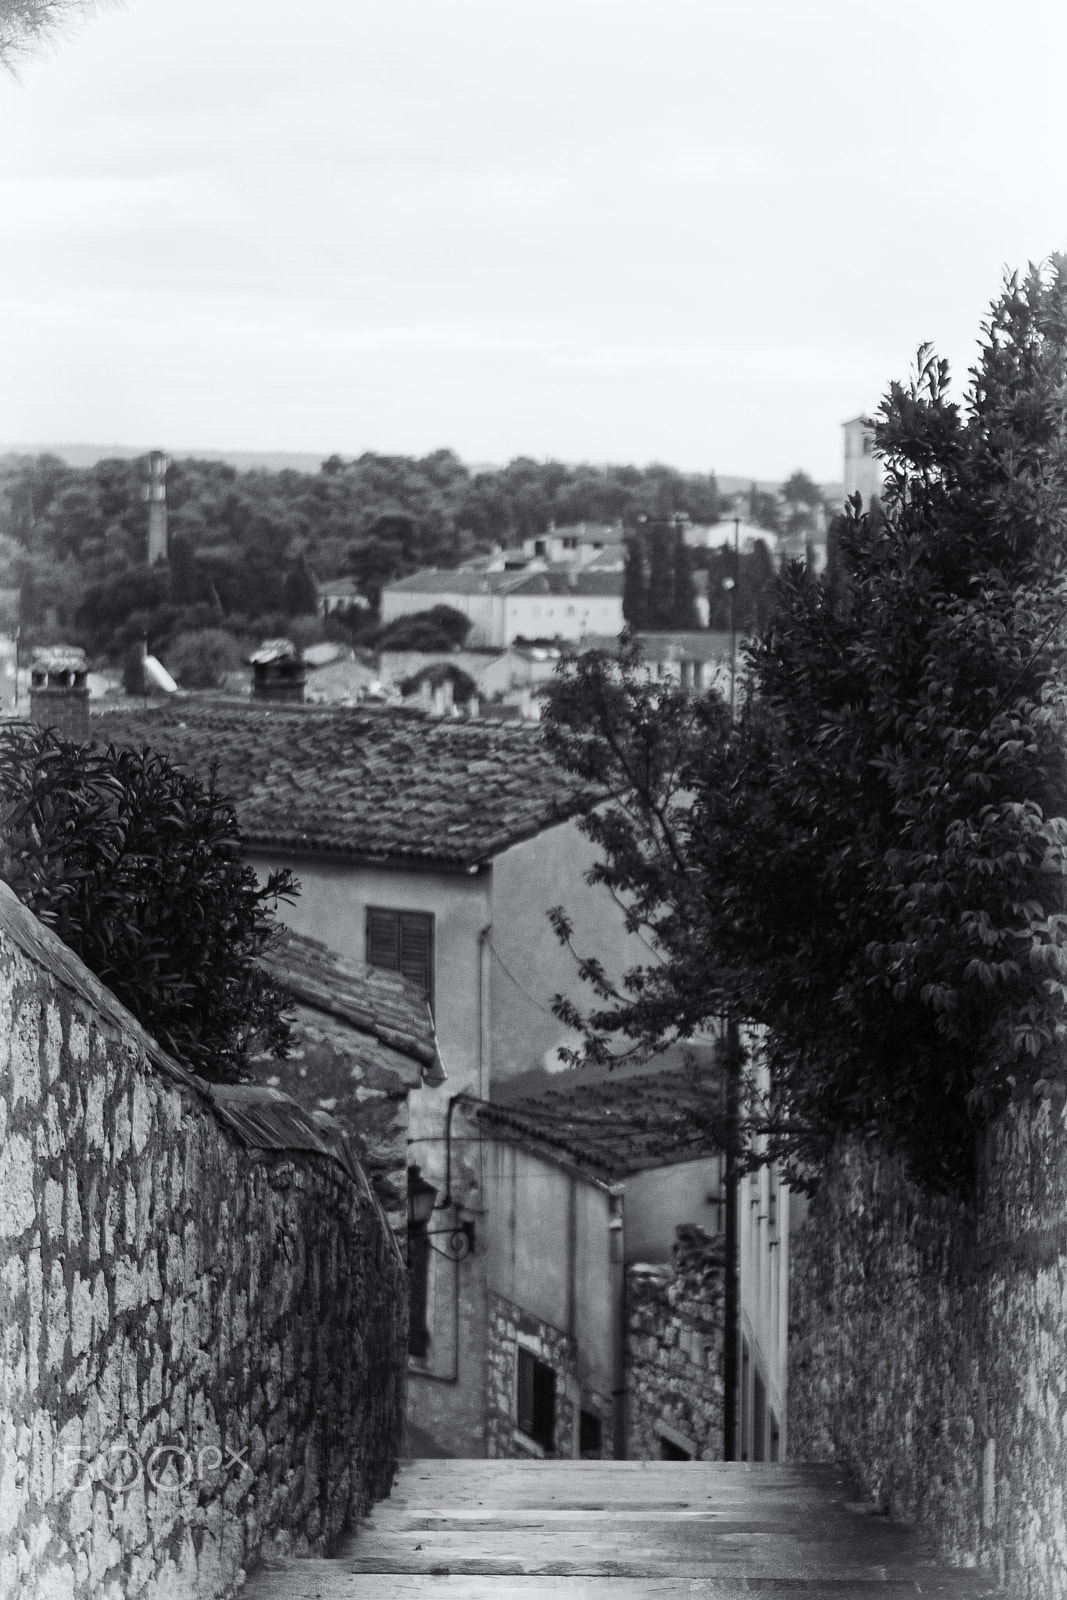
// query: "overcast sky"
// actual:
[[682, 230]]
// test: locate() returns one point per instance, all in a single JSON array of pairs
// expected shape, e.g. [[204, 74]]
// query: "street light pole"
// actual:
[[733, 615]]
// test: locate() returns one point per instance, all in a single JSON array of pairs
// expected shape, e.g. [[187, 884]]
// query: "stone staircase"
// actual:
[[619, 1530]]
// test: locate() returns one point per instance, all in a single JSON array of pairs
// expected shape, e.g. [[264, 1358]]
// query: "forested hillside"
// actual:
[[247, 547]]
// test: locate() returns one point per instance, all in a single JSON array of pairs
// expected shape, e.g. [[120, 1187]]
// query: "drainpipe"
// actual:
[[483, 1007], [732, 1287], [617, 1258]]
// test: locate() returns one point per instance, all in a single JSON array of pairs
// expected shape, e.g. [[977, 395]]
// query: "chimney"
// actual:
[[59, 692], [155, 492], [279, 673]]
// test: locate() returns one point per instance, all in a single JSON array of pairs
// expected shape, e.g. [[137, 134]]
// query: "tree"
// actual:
[[137, 866], [300, 592], [684, 613], [440, 628], [26, 25], [870, 864], [635, 584]]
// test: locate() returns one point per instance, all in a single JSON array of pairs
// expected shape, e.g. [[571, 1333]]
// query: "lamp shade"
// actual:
[[421, 1197]]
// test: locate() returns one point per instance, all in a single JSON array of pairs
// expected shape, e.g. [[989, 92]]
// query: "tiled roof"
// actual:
[[564, 580], [455, 580], [367, 785], [615, 1125], [384, 1004]]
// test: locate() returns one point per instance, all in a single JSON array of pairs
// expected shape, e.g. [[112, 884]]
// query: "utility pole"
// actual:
[[733, 614]]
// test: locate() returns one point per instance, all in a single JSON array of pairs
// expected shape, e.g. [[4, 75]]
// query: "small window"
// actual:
[[669, 1451], [402, 941], [590, 1434], [537, 1400], [759, 1417]]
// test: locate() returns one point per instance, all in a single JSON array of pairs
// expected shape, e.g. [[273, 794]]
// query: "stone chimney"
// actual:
[[155, 493], [59, 692], [278, 672]]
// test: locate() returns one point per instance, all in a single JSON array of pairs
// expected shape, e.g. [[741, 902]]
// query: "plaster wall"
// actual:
[[201, 1356], [550, 1254], [484, 611], [527, 964], [563, 616], [660, 1198], [332, 907]]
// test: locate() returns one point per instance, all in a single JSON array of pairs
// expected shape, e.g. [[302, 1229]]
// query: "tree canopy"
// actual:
[[869, 865]]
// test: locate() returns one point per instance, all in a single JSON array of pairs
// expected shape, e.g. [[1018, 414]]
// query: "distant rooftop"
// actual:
[[616, 1124], [562, 579], [373, 785]]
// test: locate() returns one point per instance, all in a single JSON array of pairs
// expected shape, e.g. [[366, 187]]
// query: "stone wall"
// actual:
[[203, 1344], [510, 1327], [927, 1347], [675, 1317]]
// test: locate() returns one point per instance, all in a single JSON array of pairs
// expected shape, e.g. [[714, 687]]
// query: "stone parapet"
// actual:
[[203, 1343]]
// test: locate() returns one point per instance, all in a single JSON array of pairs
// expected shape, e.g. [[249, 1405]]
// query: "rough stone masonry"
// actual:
[[202, 1345], [927, 1342]]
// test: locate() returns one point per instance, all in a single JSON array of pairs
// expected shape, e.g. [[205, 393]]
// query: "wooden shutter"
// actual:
[[383, 939], [402, 941], [536, 1400], [416, 949]]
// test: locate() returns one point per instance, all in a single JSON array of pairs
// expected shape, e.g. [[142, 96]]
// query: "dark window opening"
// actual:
[[590, 1434], [776, 1439], [418, 1290], [537, 1400], [402, 941], [669, 1451], [746, 1402], [759, 1417]]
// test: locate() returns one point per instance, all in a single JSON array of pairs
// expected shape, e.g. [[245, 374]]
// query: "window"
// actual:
[[759, 1416], [537, 1400], [418, 1285], [402, 941], [590, 1434]]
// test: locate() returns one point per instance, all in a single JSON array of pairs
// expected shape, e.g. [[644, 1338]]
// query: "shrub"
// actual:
[[199, 660], [137, 866]]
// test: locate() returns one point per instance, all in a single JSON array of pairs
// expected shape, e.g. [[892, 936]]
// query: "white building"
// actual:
[[509, 605], [863, 469]]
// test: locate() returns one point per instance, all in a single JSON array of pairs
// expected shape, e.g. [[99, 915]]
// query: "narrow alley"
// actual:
[[620, 1530]]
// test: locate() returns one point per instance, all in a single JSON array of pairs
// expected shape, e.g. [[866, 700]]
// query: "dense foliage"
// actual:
[[658, 589], [870, 864], [246, 547], [137, 866]]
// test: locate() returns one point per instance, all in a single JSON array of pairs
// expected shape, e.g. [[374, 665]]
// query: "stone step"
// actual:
[[547, 1530]]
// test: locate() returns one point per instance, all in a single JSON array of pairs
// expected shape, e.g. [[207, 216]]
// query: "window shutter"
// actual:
[[402, 941], [383, 939], [416, 949]]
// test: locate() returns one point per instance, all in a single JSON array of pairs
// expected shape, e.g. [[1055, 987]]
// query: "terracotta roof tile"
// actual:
[[383, 1004], [615, 1125], [377, 785]]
